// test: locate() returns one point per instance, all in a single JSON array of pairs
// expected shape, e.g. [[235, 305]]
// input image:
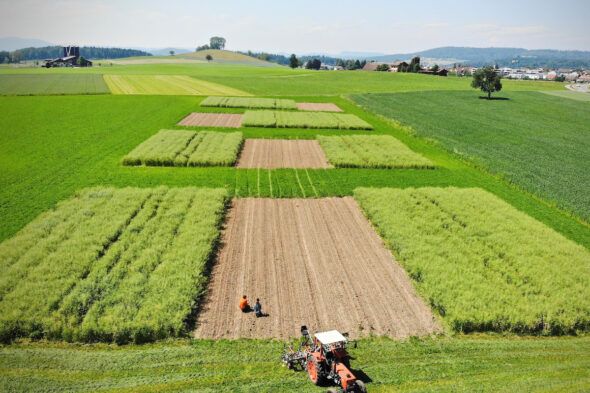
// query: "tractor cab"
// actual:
[[332, 345]]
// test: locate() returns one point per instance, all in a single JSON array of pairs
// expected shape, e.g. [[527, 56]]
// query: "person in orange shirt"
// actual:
[[244, 305]]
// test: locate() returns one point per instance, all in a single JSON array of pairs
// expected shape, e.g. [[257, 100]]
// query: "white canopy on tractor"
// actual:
[[330, 337]]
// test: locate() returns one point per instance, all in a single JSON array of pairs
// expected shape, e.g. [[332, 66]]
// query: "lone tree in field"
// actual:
[[217, 43], [171, 53], [293, 61], [487, 80], [209, 57]]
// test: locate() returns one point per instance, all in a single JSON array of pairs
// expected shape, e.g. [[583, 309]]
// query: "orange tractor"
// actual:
[[326, 360]]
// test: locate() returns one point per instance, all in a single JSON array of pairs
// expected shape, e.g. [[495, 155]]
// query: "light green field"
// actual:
[[187, 148], [52, 84], [166, 85], [573, 95], [250, 103], [280, 119], [482, 264], [375, 151], [110, 264]]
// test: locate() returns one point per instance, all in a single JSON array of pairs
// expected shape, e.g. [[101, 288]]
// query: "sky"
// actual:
[[303, 26]]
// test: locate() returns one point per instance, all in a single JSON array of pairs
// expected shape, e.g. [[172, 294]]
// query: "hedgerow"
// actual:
[[253, 103], [117, 257], [286, 119], [482, 264], [375, 151], [187, 148]]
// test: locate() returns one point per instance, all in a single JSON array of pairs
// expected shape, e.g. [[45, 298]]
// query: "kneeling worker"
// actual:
[[258, 309], [244, 305]]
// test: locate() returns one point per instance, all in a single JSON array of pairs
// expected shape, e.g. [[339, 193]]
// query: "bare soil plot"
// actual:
[[227, 120], [316, 262], [276, 153], [319, 107]]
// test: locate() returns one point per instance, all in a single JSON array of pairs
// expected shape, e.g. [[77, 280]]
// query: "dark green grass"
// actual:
[[479, 364], [46, 155], [537, 141], [52, 84]]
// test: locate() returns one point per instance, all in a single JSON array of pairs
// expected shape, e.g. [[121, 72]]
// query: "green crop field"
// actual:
[[110, 264], [431, 365], [534, 140], [285, 119], [51, 83], [166, 85], [252, 103], [127, 268], [375, 151], [482, 264], [187, 148]]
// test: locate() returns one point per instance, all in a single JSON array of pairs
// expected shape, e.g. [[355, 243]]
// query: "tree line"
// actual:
[[52, 52]]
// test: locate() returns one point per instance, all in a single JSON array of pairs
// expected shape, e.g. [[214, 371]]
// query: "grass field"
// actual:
[[187, 148], [116, 265], [166, 85], [278, 119], [574, 95], [534, 140], [256, 103], [442, 365], [483, 265], [375, 151], [51, 83]]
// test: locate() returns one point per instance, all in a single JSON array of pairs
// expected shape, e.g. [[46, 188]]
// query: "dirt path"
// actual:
[[276, 153], [319, 107], [212, 120], [314, 262]]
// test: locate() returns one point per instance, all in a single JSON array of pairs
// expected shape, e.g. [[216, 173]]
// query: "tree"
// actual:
[[209, 57], [293, 61], [487, 80], [171, 53], [382, 67], [217, 43], [415, 64], [435, 68], [314, 64]]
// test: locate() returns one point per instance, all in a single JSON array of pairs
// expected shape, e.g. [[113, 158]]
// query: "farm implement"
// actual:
[[325, 359]]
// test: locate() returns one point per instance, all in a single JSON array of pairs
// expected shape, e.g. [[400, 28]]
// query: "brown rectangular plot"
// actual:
[[228, 120], [277, 153], [318, 107], [314, 262]]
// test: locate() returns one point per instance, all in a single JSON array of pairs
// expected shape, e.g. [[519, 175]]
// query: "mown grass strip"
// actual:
[[187, 148], [131, 270], [375, 151], [166, 85], [286, 119], [482, 264], [250, 103]]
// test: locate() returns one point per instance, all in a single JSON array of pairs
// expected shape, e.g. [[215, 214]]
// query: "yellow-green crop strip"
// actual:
[[247, 102], [286, 119], [167, 85], [187, 148], [370, 151], [482, 264], [110, 264]]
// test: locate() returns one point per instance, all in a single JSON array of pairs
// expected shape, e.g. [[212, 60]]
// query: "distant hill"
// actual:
[[504, 57], [166, 51], [225, 56], [12, 43]]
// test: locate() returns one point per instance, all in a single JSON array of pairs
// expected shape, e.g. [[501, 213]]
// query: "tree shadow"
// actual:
[[494, 98]]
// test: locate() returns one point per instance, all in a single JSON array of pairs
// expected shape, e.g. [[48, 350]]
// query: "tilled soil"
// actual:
[[320, 107], [228, 120], [276, 153], [314, 262]]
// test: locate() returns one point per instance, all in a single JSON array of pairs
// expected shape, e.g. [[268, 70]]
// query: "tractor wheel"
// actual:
[[315, 372], [360, 387]]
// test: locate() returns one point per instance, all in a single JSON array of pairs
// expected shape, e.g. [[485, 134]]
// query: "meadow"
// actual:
[[536, 141], [50, 84], [462, 364], [375, 151], [483, 265], [110, 265], [251, 103], [187, 148], [279, 119]]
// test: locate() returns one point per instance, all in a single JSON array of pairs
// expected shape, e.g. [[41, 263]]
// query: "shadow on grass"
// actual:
[[494, 98]]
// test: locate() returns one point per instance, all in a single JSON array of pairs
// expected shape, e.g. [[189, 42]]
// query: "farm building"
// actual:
[[71, 58]]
